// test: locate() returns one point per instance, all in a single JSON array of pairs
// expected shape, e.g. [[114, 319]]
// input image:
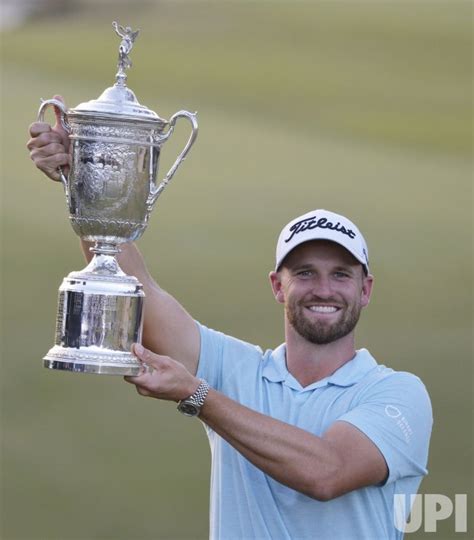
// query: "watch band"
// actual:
[[201, 393], [191, 406]]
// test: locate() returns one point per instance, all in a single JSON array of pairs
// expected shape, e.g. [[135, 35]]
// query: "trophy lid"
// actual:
[[119, 100]]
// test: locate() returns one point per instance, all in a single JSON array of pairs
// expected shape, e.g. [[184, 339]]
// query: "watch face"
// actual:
[[188, 408]]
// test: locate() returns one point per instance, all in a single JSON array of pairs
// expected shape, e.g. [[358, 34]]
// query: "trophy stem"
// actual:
[[105, 248], [104, 263]]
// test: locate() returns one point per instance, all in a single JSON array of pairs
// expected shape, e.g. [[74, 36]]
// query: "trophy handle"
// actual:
[[155, 190], [45, 103]]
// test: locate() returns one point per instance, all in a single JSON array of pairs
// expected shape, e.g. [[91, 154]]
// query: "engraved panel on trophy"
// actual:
[[100, 315], [60, 319]]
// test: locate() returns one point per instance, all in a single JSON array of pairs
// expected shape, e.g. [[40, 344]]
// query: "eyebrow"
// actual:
[[297, 267], [346, 268], [303, 265]]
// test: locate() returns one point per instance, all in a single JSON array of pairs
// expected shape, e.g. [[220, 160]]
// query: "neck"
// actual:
[[309, 362]]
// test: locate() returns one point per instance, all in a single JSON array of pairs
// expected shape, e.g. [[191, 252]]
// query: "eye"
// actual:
[[304, 273], [341, 274]]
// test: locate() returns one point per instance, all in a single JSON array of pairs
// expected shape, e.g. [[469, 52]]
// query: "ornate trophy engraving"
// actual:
[[110, 190]]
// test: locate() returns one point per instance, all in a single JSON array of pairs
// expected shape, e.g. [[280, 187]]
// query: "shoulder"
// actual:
[[383, 378], [394, 389]]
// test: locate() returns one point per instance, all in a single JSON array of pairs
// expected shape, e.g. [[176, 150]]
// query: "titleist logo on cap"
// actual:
[[321, 223]]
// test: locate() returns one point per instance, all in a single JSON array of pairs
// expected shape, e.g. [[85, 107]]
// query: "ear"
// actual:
[[277, 287], [367, 285]]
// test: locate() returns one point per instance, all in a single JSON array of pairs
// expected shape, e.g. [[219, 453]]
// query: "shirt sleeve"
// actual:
[[222, 356], [395, 413]]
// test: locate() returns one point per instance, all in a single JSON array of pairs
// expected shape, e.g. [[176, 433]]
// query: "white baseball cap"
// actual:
[[322, 225]]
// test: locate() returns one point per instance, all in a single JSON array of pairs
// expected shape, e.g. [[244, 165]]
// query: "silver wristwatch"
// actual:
[[191, 406]]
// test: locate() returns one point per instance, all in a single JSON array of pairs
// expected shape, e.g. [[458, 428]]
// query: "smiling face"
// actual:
[[324, 289]]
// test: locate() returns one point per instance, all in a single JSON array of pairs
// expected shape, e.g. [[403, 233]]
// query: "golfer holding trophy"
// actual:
[[309, 440], [110, 191]]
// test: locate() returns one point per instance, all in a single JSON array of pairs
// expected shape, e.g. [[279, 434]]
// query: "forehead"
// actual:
[[318, 251]]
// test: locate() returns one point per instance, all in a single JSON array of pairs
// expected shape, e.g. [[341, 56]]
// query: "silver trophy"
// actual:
[[110, 190]]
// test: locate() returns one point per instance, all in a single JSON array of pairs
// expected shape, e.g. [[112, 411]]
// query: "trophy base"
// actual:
[[97, 362], [99, 318]]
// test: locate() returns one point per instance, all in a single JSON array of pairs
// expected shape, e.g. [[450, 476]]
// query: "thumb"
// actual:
[[57, 112], [59, 128], [146, 356]]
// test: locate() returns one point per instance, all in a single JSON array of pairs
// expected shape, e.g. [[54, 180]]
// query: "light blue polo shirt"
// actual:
[[392, 408]]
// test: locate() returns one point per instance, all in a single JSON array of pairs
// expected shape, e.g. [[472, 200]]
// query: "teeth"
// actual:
[[323, 309]]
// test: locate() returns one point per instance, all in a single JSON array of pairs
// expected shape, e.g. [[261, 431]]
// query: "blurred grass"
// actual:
[[382, 71], [360, 107]]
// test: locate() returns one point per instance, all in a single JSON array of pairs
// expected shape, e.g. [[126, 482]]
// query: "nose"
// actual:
[[322, 287]]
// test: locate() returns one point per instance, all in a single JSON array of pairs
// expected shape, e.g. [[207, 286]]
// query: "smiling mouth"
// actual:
[[323, 309]]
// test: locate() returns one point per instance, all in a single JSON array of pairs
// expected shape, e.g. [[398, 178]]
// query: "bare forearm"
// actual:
[[290, 455]]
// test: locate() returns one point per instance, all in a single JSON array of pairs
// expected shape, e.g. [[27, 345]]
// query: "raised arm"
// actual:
[[168, 328]]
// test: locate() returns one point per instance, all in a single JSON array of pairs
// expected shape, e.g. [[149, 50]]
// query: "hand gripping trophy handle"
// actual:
[[155, 190], [64, 123]]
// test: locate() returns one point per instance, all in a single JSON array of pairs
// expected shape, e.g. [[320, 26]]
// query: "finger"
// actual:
[[36, 128], [142, 378], [50, 165], [50, 149], [143, 391], [49, 162], [44, 138], [146, 379], [156, 361], [59, 98]]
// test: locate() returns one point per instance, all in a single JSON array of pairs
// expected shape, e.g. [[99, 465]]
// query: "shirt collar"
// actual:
[[275, 370]]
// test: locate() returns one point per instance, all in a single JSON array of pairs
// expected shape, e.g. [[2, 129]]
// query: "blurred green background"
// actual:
[[359, 107]]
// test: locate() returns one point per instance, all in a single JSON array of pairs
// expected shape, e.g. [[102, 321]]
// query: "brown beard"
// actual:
[[322, 333]]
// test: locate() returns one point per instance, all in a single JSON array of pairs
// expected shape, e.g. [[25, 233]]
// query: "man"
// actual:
[[311, 440]]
